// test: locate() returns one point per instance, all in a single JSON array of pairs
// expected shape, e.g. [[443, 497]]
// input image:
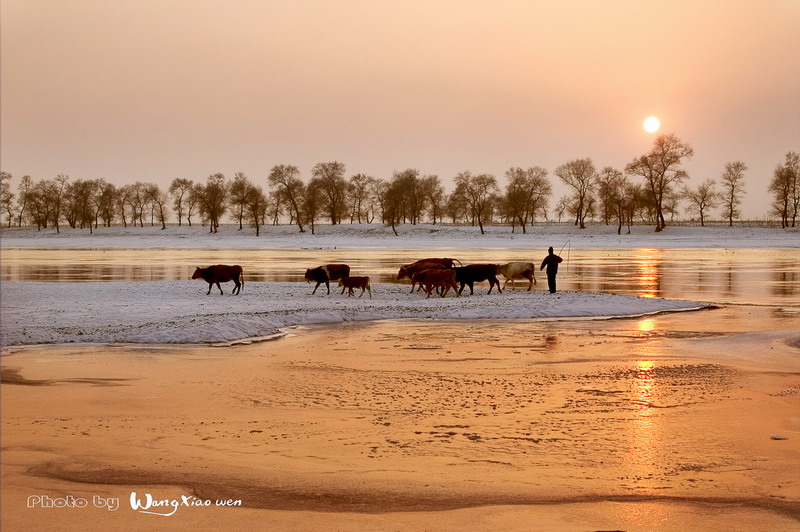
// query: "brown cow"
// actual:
[[324, 274], [433, 278], [355, 282], [220, 273], [415, 266], [476, 273], [411, 269]]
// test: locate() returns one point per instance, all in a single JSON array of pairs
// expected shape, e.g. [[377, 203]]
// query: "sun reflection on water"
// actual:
[[648, 266], [647, 325], [643, 451]]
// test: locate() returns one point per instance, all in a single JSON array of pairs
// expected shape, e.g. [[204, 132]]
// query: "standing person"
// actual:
[[551, 261]]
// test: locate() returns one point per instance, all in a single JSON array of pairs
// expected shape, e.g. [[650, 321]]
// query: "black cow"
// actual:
[[327, 273], [476, 273]]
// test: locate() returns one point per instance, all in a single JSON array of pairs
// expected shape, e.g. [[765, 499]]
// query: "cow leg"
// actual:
[[343, 289], [328, 286], [237, 287], [453, 286], [315, 288], [220, 289], [370, 291], [210, 285], [493, 282], [530, 283]]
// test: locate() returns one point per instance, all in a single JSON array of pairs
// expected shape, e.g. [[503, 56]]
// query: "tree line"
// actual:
[[650, 189]]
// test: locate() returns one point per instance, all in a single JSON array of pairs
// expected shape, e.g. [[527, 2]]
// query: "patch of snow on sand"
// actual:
[[180, 312]]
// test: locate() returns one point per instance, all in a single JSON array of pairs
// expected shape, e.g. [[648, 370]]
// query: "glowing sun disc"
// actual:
[[651, 124]]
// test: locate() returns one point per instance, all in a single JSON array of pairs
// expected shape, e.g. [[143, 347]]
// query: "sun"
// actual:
[[651, 124]]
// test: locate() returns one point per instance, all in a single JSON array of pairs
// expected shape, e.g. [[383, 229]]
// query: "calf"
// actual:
[[220, 273], [518, 270], [325, 274], [476, 273], [433, 278], [355, 282]]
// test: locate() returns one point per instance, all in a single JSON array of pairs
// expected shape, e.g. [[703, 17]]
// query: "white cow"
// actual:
[[518, 270]]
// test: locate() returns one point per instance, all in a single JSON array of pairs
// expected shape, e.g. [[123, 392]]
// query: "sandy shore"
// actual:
[[662, 423]]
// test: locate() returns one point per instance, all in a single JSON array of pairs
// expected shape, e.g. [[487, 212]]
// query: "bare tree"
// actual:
[[106, 203], [137, 199], [256, 202], [392, 201], [358, 191], [331, 182], [275, 205], [527, 192], [634, 200], [180, 189], [312, 201], [158, 203], [561, 207], [732, 180], [237, 196], [785, 189], [701, 199], [478, 191], [58, 190], [434, 192], [414, 199], [285, 177], [212, 200], [77, 204], [39, 206], [661, 170], [122, 201], [607, 185], [25, 186], [6, 196], [580, 174]]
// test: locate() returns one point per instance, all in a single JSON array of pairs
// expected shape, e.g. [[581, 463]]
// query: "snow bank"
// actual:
[[410, 237], [181, 312]]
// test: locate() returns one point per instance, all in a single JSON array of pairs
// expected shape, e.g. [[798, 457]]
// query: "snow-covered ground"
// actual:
[[410, 237], [180, 311]]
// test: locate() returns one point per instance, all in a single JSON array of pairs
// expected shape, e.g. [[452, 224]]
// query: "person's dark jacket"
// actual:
[[551, 261]]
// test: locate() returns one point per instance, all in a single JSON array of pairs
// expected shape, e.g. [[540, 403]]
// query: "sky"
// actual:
[[152, 90]]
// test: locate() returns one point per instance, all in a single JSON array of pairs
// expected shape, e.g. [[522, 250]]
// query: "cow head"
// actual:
[[198, 273]]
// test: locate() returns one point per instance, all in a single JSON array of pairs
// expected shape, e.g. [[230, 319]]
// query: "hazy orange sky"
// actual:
[[151, 90]]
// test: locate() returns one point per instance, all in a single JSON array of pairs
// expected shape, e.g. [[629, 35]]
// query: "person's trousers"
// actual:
[[551, 282]]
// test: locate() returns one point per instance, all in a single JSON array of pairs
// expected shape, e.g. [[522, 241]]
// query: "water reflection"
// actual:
[[785, 282], [648, 266], [646, 325], [643, 450], [713, 275]]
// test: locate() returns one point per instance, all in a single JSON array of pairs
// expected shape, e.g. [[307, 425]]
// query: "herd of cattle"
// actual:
[[430, 275]]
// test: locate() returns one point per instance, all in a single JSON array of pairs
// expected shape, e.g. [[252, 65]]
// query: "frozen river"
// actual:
[[722, 276]]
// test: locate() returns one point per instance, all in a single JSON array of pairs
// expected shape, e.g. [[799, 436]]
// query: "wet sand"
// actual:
[[662, 423]]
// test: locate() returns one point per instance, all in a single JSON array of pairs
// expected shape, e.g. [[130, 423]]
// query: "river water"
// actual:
[[722, 276]]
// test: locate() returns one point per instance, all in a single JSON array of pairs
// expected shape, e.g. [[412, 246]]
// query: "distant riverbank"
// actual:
[[410, 236]]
